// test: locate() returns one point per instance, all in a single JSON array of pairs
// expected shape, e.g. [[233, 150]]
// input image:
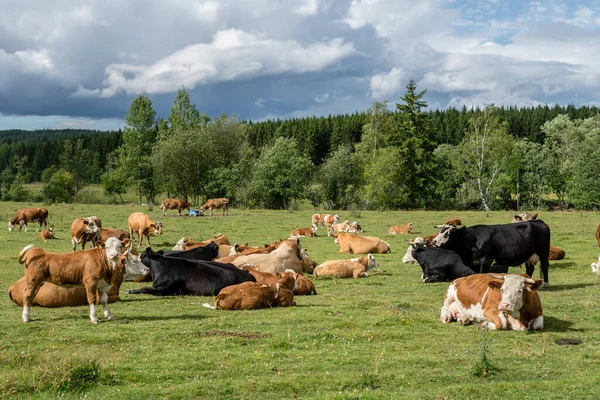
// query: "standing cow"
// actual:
[[85, 230], [144, 226], [215, 203], [29, 214], [174, 204]]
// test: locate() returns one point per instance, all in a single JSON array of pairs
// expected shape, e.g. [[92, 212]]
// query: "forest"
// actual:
[[402, 156]]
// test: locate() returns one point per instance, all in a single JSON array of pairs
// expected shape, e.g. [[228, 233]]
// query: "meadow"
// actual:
[[373, 338]]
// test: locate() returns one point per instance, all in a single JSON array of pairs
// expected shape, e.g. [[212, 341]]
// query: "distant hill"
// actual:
[[19, 135]]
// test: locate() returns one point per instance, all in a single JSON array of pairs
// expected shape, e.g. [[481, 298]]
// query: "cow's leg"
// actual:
[[515, 324], [544, 265], [25, 223], [357, 273], [39, 227], [529, 268], [140, 238], [210, 212], [148, 239], [495, 320], [485, 265], [29, 292], [91, 288], [74, 243], [107, 313], [447, 314], [150, 290]]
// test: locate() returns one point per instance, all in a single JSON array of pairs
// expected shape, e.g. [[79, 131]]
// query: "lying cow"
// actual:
[[144, 226], [524, 217], [456, 221], [288, 281], [354, 244], [408, 257], [93, 268], [598, 235], [84, 230], [215, 204], [120, 234], [355, 228], [496, 301], [353, 268], [25, 215], [289, 255], [47, 234], [304, 286], [174, 204], [173, 276], [341, 227], [303, 232], [401, 229], [253, 296], [189, 243], [51, 295]]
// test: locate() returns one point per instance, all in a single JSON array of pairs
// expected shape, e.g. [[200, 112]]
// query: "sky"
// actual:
[[80, 64]]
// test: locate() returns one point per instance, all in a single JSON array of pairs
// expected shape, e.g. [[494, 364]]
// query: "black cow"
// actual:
[[202, 253], [509, 244], [178, 276], [441, 265]]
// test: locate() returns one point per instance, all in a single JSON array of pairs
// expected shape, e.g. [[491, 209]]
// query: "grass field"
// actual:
[[373, 338]]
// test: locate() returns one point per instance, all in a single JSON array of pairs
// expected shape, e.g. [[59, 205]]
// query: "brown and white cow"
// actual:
[[497, 301], [51, 295], [93, 268], [596, 267], [303, 232], [401, 229], [215, 204], [253, 296], [288, 281], [353, 268], [341, 227], [304, 286], [144, 226], [355, 244], [120, 234], [598, 235], [454, 221], [25, 215], [189, 243], [84, 230], [47, 234], [174, 204], [326, 220], [289, 255], [523, 217], [355, 228]]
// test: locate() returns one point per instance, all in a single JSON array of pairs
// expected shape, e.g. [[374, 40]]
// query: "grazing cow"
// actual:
[[353, 268], [304, 286], [93, 268], [524, 217], [47, 234], [401, 229], [509, 244], [173, 276], [51, 295], [496, 301], [289, 255], [341, 227], [355, 228], [144, 226], [174, 204], [188, 243], [120, 234], [85, 230], [25, 215], [253, 296], [354, 244], [303, 232], [215, 204]]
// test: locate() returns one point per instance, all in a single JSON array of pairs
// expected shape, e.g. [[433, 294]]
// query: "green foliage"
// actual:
[[60, 189], [483, 368], [339, 177], [115, 183]]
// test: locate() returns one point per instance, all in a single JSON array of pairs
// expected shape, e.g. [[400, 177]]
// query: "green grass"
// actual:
[[373, 338]]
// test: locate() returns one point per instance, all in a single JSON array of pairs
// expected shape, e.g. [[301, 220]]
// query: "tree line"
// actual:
[[408, 157]]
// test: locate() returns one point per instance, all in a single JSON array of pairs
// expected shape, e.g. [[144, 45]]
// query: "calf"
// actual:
[[253, 296], [47, 234], [355, 228], [401, 229], [174, 204], [304, 286], [84, 230], [341, 227], [24, 215], [120, 234], [303, 232], [456, 221], [355, 244], [215, 203], [93, 268], [144, 226], [496, 301], [353, 268]]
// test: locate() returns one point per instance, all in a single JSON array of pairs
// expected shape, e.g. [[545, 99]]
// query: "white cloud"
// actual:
[[308, 7], [388, 84]]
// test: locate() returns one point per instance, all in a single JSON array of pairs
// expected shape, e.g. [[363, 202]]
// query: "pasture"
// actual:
[[373, 338]]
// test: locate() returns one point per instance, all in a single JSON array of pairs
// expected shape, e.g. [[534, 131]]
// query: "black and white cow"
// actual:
[[510, 244], [178, 276]]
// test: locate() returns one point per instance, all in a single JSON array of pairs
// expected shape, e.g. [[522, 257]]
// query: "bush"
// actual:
[[60, 189]]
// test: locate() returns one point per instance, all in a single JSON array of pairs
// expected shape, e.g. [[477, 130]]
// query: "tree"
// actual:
[[379, 124], [183, 114], [60, 188], [339, 178], [76, 160]]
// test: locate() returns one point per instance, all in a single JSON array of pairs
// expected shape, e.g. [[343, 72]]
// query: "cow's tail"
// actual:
[[208, 306], [23, 253]]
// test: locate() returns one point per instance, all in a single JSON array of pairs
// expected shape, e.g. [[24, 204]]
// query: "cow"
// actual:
[[524, 217], [509, 244], [84, 230], [303, 232], [556, 253], [173, 276], [355, 244], [408, 257], [456, 221], [288, 281], [253, 296], [401, 229], [326, 220], [47, 234], [51, 295], [246, 250], [289, 255], [355, 228], [144, 226], [215, 203], [200, 253], [93, 268], [598, 235], [596, 267], [188, 243], [353, 268], [341, 227], [174, 204], [25, 215], [501, 302], [120, 234], [304, 286]]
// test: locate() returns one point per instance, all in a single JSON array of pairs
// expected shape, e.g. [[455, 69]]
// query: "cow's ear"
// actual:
[[85, 221], [100, 244], [518, 218], [534, 216], [534, 286], [495, 285], [152, 225], [278, 274]]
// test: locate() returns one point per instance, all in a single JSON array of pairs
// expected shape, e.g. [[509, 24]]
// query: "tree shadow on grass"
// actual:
[[552, 324], [561, 265], [556, 288]]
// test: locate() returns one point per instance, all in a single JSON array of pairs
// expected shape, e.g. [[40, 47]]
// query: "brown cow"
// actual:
[[85, 230], [304, 286], [401, 229], [144, 226], [289, 255], [355, 228], [253, 296], [215, 203], [355, 244], [93, 268], [29, 214], [353, 268], [188, 243], [287, 281], [598, 235], [497, 301], [174, 204], [303, 232], [326, 220], [523, 217], [120, 234], [454, 221], [341, 227], [556, 253], [47, 234]]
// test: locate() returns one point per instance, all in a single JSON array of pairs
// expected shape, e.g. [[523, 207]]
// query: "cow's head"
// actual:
[[372, 262], [113, 250], [132, 265], [314, 230], [336, 219], [91, 225], [156, 228], [513, 288], [11, 226], [523, 217], [383, 247], [443, 236]]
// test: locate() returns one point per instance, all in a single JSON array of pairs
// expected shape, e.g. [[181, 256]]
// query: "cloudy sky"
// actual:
[[80, 63]]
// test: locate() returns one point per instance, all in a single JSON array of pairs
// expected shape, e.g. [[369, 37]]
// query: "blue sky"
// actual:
[[79, 64]]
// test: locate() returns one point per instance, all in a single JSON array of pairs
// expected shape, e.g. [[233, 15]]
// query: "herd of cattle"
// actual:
[[475, 259]]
